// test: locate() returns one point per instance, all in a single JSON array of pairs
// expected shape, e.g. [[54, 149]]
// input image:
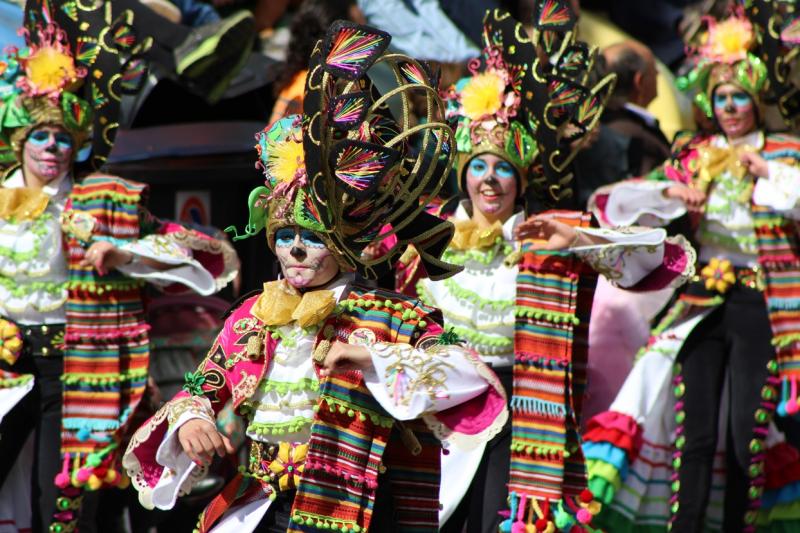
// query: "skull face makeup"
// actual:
[[46, 155], [305, 259], [492, 186]]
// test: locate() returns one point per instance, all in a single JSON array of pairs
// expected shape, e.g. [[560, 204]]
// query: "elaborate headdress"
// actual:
[[347, 168], [529, 99], [755, 53], [58, 78]]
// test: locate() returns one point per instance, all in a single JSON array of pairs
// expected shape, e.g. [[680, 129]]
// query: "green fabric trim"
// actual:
[[8, 383], [100, 287], [781, 514], [102, 379], [747, 243], [475, 337], [280, 428], [475, 298], [290, 340], [19, 289], [485, 256], [550, 316], [283, 387], [39, 229]]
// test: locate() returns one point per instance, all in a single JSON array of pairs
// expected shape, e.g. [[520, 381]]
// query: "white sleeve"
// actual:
[[780, 190], [642, 202], [179, 473], [186, 269], [628, 256], [409, 382]]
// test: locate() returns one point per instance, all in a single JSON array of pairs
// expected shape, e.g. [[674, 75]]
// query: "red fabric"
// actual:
[[782, 466], [615, 428]]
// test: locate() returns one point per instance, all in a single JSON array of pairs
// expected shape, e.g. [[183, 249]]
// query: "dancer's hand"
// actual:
[[755, 164], [200, 440], [104, 256], [558, 236], [342, 356], [692, 198]]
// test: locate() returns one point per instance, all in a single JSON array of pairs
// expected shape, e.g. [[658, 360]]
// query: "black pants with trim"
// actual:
[[733, 342]]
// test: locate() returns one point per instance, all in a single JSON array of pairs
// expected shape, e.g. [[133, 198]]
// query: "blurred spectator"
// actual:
[[604, 156], [468, 15], [194, 13], [420, 28], [626, 113], [309, 25]]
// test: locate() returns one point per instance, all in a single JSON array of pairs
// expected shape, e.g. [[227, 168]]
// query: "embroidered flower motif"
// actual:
[[194, 383], [289, 464], [448, 338], [50, 67], [10, 342], [718, 275], [483, 95]]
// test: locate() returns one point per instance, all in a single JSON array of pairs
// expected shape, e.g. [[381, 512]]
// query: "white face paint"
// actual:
[[305, 259], [46, 155]]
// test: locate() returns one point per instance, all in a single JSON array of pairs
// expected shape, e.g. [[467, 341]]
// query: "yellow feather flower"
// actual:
[[285, 159], [49, 70], [718, 275], [729, 40], [483, 95]]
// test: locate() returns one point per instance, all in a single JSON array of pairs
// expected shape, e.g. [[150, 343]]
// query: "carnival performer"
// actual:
[[690, 442], [74, 257], [349, 393], [523, 299]]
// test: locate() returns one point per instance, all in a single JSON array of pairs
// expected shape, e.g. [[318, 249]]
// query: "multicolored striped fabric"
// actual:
[[554, 298], [106, 355], [352, 431], [779, 255]]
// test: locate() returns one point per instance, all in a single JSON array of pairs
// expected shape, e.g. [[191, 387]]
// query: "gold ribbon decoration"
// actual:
[[22, 203], [713, 162], [469, 236], [280, 303]]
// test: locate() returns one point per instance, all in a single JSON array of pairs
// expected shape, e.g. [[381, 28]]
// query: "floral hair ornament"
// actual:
[[348, 169], [531, 109]]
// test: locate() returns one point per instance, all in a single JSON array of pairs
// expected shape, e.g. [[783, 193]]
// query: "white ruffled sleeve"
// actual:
[[780, 190], [177, 472], [642, 202], [628, 257], [410, 382], [186, 270]]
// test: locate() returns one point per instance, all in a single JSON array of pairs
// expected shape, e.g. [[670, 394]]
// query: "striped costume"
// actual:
[[355, 449], [636, 449]]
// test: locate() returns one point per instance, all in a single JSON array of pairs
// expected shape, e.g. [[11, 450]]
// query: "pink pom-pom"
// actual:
[[62, 480], [518, 527], [584, 516], [83, 475]]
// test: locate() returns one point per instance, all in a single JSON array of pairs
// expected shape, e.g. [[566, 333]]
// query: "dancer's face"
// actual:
[[734, 110], [492, 186], [305, 259], [47, 154]]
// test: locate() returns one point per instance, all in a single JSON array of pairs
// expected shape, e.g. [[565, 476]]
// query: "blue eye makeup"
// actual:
[[311, 239], [740, 99], [42, 138], [504, 170], [478, 167], [284, 237]]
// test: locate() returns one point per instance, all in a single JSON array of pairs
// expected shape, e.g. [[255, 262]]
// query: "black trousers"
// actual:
[[733, 342], [488, 494]]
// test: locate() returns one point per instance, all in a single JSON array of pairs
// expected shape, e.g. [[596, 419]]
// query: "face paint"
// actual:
[[492, 186], [305, 259], [41, 138], [734, 110], [46, 155]]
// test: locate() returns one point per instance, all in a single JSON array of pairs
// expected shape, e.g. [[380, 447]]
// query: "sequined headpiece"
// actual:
[[528, 99], [347, 168], [72, 72], [754, 48]]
